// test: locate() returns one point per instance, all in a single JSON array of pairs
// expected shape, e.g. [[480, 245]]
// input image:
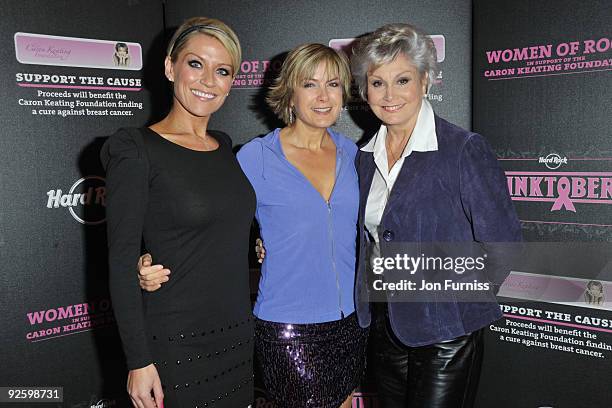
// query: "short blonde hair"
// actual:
[[209, 26], [300, 65]]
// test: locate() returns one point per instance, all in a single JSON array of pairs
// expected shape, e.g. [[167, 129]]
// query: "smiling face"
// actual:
[[395, 92], [122, 52], [317, 101], [202, 75], [595, 290]]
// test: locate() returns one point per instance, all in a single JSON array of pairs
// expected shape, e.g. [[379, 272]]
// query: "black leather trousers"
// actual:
[[441, 375]]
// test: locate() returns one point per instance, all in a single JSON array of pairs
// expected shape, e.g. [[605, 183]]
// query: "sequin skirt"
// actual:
[[311, 365]]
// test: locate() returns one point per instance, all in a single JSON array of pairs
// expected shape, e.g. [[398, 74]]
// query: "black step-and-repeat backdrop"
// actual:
[[72, 73], [269, 29], [75, 71], [542, 78]]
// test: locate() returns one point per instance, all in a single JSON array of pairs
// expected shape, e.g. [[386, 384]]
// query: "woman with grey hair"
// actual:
[[422, 179]]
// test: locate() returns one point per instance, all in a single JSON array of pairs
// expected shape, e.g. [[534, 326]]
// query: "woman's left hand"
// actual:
[[260, 250]]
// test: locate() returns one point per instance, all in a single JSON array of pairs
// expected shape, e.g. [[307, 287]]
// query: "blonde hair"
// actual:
[[300, 65], [211, 27]]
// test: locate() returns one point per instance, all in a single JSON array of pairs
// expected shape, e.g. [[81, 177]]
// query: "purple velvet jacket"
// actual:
[[455, 194]]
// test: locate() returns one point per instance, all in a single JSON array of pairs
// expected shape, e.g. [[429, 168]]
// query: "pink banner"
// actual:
[[564, 290], [40, 49]]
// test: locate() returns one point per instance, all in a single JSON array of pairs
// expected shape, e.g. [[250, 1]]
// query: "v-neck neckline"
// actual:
[[303, 176]]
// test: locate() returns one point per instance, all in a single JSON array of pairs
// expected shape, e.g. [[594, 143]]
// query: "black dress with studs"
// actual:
[[193, 211]]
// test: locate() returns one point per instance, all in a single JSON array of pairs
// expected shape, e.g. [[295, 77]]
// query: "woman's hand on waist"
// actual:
[[151, 277], [260, 250]]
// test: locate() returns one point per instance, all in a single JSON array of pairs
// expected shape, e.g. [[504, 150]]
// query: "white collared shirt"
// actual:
[[422, 139]]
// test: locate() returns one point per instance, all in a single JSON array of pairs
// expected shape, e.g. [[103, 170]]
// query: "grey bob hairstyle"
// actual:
[[385, 44]]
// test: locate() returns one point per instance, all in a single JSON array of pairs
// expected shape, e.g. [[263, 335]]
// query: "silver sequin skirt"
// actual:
[[313, 365]]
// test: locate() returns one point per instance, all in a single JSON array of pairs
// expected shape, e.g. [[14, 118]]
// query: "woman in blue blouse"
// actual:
[[308, 340]]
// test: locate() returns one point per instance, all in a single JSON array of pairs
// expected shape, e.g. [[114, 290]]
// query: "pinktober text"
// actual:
[[562, 189]]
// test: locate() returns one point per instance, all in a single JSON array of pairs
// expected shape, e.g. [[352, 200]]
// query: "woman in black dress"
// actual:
[[178, 186]]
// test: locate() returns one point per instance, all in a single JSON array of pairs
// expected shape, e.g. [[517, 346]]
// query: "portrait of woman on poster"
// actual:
[[177, 186], [307, 338], [422, 179], [121, 57], [594, 293]]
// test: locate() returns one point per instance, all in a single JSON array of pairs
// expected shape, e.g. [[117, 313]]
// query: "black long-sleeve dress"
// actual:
[[193, 209]]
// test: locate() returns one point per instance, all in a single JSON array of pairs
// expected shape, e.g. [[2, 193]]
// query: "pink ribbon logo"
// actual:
[[564, 188]]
